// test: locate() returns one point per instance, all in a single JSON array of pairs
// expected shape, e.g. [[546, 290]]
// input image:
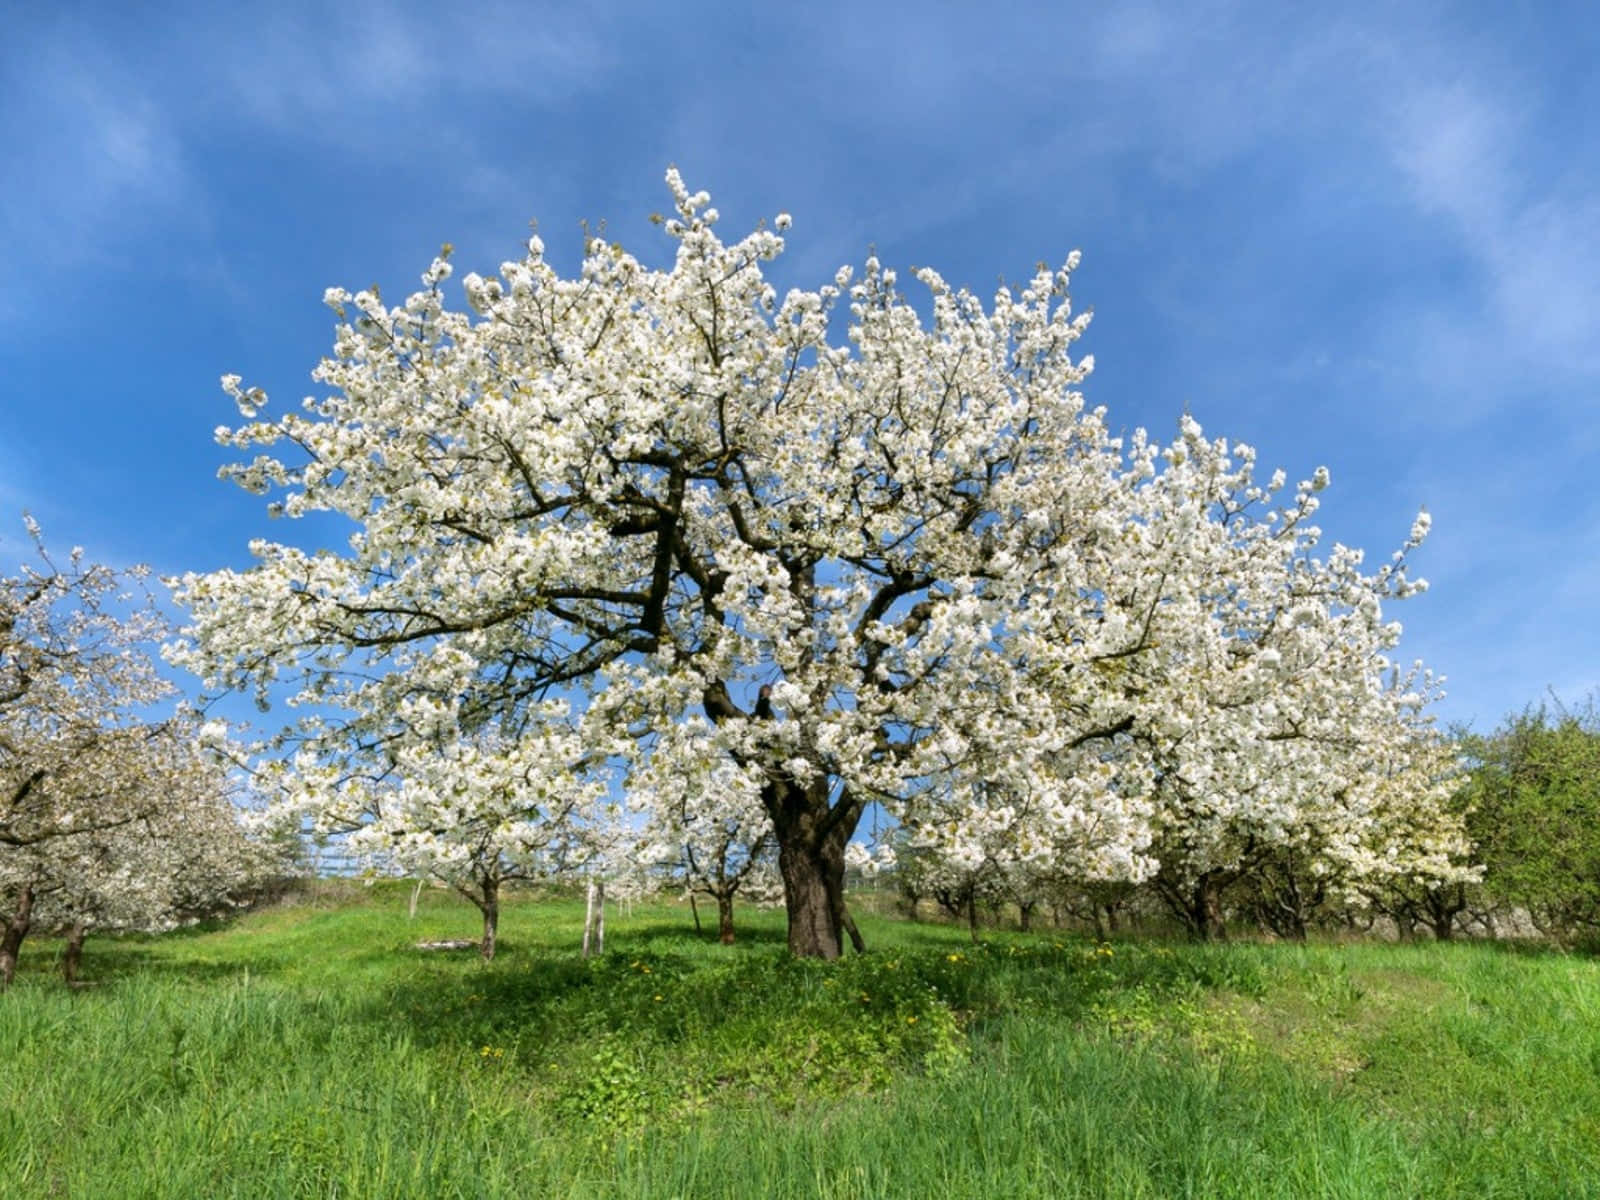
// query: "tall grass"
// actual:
[[313, 1051]]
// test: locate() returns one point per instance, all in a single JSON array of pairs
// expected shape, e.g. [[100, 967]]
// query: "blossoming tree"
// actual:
[[75, 677], [1289, 734], [475, 810], [898, 561], [76, 686], [189, 855]]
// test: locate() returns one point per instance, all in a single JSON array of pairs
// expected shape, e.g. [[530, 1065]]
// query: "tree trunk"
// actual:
[[72, 959], [856, 940], [812, 878], [812, 834], [694, 910], [1294, 926], [1444, 908], [1205, 911], [491, 918], [725, 920], [1025, 915], [594, 919], [972, 915], [11, 941], [588, 916]]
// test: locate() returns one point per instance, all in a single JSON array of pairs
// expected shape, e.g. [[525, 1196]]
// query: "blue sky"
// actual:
[[1360, 236]]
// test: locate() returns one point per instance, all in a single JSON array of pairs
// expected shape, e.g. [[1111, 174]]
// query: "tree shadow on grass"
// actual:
[[665, 987], [114, 963], [651, 933], [1585, 948]]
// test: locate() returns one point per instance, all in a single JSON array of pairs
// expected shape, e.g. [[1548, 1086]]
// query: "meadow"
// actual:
[[312, 1050]]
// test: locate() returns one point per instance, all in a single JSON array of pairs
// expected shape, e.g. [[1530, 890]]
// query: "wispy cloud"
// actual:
[[100, 156], [323, 73], [1466, 150]]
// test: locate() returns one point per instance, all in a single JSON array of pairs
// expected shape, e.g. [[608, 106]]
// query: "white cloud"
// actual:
[[1467, 154]]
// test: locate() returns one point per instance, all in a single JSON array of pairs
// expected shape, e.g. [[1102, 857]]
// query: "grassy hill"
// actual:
[[312, 1050]]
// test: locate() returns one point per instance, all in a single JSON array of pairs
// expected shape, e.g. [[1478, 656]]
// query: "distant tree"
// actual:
[[79, 754], [190, 857], [1534, 814], [711, 832], [477, 813], [76, 682]]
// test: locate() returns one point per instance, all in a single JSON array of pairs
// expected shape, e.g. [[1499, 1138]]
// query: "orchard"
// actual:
[[653, 584]]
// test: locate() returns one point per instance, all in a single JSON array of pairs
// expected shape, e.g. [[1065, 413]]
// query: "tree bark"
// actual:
[[813, 877], [1444, 907], [588, 916], [594, 919], [972, 915], [17, 927], [725, 920], [857, 942], [811, 837], [491, 918], [72, 959], [1205, 911], [694, 910]]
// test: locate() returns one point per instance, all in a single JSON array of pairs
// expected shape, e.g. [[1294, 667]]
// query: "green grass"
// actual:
[[312, 1051]]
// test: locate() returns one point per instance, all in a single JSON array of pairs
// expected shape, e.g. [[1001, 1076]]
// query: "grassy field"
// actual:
[[312, 1051]]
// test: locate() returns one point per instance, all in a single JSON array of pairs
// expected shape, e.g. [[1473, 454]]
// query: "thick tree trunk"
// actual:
[[491, 919], [813, 877], [725, 920], [17, 927], [72, 959], [812, 834]]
